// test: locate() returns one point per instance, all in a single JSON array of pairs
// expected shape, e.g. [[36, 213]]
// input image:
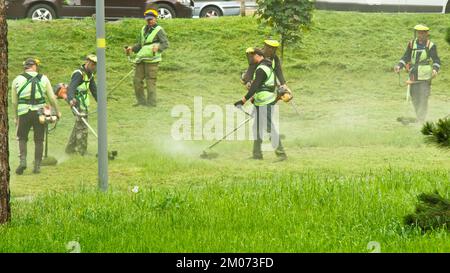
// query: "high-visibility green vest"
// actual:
[[424, 66], [30, 93], [266, 94], [82, 93], [147, 45]]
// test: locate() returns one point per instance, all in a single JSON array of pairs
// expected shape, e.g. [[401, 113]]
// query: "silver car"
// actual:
[[208, 8]]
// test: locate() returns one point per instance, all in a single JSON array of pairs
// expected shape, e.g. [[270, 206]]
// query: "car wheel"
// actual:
[[41, 12], [210, 12], [165, 12]]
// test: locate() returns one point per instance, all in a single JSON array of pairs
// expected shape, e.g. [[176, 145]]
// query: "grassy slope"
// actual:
[[353, 171]]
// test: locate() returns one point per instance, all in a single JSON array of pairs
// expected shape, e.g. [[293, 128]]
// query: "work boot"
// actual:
[[280, 156], [280, 153], [37, 166], [22, 156], [22, 166]]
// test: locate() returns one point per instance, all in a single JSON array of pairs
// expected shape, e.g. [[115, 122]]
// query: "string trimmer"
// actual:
[[48, 116], [111, 154], [133, 62], [211, 155]]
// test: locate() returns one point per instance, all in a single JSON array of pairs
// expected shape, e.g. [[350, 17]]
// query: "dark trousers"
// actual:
[[264, 123], [26, 121], [420, 92], [147, 72]]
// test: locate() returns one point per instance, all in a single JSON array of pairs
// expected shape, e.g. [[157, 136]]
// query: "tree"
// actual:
[[242, 8], [287, 18], [5, 209]]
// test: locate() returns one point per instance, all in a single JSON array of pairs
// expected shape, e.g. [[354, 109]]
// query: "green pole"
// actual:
[[101, 97]]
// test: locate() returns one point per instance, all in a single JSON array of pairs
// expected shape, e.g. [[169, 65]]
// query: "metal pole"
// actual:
[[101, 97]]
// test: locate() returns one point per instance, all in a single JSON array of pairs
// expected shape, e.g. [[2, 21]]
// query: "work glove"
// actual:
[[155, 49], [128, 50], [397, 69], [238, 103], [73, 102], [434, 73]]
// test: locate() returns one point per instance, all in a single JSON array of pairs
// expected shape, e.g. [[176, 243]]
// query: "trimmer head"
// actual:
[[49, 161], [210, 155]]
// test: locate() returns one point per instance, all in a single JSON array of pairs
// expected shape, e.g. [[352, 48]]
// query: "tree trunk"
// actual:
[[5, 209], [243, 8]]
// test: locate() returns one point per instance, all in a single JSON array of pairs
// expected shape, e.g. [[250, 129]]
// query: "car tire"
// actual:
[[211, 12], [41, 12], [166, 12]]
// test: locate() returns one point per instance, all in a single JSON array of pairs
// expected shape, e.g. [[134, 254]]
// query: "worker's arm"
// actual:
[[93, 88], [406, 57], [248, 77], [14, 99], [279, 71], [76, 80], [51, 96], [163, 41], [436, 60], [138, 45], [257, 83]]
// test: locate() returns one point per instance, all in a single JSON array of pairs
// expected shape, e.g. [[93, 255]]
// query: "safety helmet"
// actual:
[[92, 58], [31, 61], [272, 43], [421, 27], [250, 50], [150, 13]]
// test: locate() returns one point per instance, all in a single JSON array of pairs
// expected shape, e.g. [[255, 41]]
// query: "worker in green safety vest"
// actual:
[[151, 43], [422, 62], [31, 93], [269, 50], [82, 82], [263, 92]]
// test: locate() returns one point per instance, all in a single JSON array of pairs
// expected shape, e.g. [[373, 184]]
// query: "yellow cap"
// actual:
[[421, 27], [272, 43], [250, 50], [32, 61], [92, 58], [150, 13]]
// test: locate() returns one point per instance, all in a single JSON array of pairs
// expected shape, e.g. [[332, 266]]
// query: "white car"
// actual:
[[385, 5], [216, 8]]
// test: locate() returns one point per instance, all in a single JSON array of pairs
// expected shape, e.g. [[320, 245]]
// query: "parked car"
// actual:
[[211, 8], [114, 9], [169, 9], [385, 5]]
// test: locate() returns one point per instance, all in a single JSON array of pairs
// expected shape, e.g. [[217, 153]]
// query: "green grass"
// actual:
[[353, 171]]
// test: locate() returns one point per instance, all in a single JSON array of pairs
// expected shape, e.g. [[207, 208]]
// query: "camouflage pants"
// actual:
[[78, 139]]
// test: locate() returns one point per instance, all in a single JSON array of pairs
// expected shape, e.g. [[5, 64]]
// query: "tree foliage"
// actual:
[[287, 18]]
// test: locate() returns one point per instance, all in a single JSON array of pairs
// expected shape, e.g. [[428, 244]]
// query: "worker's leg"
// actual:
[[139, 75], [39, 133], [257, 134], [151, 75], [70, 147], [23, 128], [274, 135], [420, 93], [81, 136]]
